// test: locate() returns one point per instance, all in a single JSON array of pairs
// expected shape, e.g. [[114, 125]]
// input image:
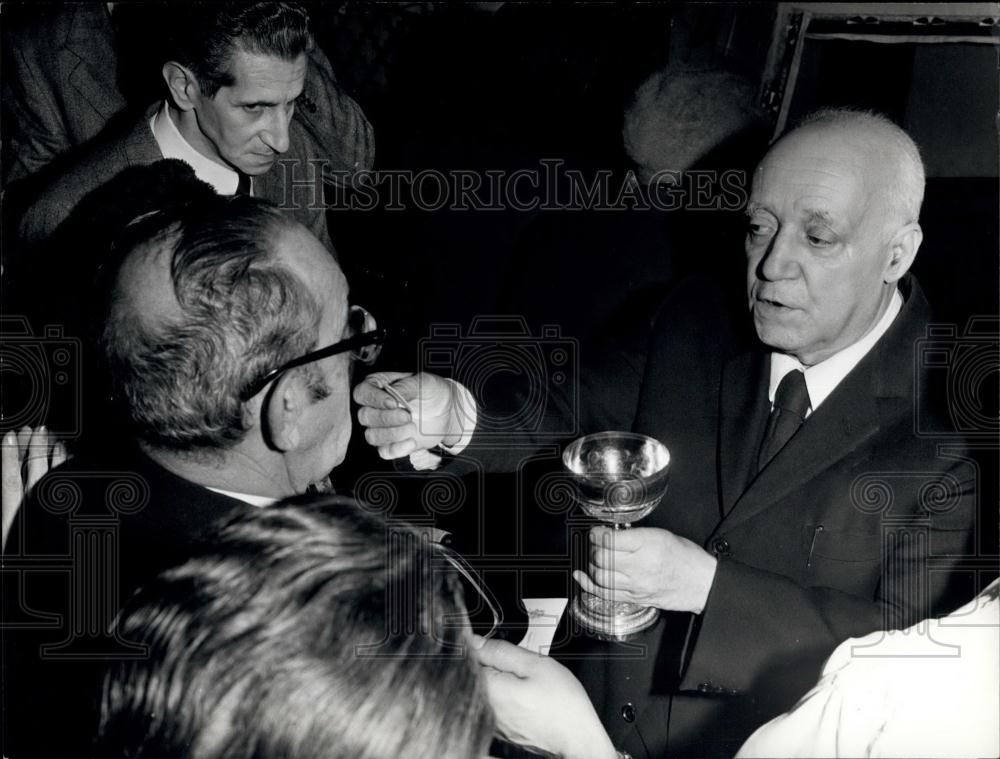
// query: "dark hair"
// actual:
[[203, 36], [243, 313], [283, 636]]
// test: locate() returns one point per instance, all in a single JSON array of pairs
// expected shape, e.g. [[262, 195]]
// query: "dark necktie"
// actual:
[[791, 402], [243, 186]]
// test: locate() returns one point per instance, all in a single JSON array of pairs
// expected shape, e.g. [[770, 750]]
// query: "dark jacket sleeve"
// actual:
[[765, 632]]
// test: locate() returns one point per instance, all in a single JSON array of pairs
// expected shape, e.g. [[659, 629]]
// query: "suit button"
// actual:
[[704, 687], [720, 547], [628, 712]]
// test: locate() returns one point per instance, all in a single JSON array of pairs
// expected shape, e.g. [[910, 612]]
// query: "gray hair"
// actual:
[[312, 630], [242, 314]]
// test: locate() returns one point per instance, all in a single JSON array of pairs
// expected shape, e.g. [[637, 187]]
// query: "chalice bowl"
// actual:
[[618, 478]]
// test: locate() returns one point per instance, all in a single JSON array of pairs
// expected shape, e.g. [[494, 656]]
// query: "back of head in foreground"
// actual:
[[312, 630]]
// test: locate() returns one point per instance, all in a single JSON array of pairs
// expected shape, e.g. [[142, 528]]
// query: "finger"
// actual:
[[627, 541], [380, 436], [408, 386], [589, 586], [38, 457], [370, 392], [12, 488], [59, 454], [10, 466], [605, 558], [398, 450], [381, 379], [23, 440], [610, 579], [506, 657], [375, 417]]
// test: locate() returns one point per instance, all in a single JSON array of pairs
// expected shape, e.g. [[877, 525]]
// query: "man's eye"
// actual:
[[255, 108], [758, 229], [818, 242]]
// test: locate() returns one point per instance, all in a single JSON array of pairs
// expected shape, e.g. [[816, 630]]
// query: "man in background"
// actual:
[[251, 104]]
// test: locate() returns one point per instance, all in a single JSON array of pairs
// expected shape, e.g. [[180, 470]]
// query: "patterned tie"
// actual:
[[791, 402], [244, 185]]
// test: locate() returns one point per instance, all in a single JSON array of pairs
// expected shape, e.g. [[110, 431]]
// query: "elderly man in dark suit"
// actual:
[[805, 506], [252, 106], [229, 341]]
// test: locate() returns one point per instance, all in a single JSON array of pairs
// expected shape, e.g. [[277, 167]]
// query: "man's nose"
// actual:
[[275, 135], [779, 261]]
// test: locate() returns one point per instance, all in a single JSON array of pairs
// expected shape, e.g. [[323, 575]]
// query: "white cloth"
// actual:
[[173, 145], [823, 378], [424, 459], [932, 690], [254, 500]]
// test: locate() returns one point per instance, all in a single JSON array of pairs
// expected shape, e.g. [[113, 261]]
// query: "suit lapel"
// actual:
[[743, 414], [98, 87], [845, 421]]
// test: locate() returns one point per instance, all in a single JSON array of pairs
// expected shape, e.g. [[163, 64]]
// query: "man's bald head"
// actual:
[[892, 156]]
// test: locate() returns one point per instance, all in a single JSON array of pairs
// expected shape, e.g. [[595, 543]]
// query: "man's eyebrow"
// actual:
[[821, 216], [266, 103], [251, 103]]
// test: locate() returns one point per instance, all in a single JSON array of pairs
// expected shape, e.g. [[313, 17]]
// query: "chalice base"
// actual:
[[612, 620]]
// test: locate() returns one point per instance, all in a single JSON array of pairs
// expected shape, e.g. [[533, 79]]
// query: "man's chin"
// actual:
[[255, 166], [775, 337]]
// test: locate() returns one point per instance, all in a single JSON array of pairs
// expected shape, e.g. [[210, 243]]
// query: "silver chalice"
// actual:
[[619, 478]]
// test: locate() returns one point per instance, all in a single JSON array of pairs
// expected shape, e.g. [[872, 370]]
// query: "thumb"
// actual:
[[506, 657]]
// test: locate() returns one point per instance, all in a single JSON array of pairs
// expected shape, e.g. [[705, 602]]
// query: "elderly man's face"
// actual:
[[816, 244], [326, 427], [245, 125]]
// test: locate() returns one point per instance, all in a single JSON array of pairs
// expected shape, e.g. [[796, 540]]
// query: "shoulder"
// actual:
[[124, 143]]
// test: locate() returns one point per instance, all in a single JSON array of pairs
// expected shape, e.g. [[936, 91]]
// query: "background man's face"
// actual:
[[246, 124], [326, 426], [816, 245]]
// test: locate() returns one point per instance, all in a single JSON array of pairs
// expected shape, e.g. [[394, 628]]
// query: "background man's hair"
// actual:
[[203, 36], [905, 192], [299, 631], [181, 381], [679, 116]]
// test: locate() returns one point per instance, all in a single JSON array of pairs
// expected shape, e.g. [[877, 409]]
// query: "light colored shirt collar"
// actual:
[[823, 378], [173, 145], [254, 500]]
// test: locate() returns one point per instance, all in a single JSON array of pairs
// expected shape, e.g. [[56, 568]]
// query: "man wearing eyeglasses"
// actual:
[[229, 338]]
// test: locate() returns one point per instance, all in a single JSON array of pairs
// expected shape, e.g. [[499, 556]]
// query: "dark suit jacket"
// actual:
[[92, 532], [59, 84], [857, 524]]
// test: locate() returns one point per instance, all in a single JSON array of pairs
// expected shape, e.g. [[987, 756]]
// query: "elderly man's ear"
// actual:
[[285, 410], [902, 250], [182, 84]]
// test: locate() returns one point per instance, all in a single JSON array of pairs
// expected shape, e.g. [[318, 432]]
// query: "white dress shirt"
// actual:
[[823, 378], [173, 145]]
